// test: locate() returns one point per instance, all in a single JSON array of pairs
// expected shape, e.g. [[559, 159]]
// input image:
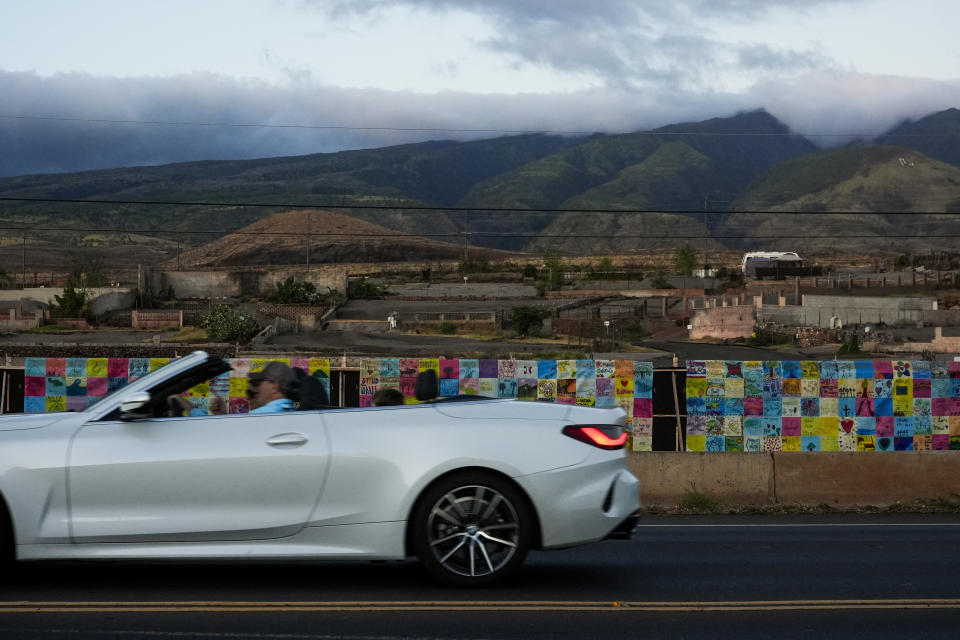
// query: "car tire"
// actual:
[[472, 529], [7, 552]]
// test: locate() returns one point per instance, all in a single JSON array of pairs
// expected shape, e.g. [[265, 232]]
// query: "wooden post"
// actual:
[[676, 405]]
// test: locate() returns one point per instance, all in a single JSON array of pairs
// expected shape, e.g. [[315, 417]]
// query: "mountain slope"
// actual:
[[936, 135], [876, 196]]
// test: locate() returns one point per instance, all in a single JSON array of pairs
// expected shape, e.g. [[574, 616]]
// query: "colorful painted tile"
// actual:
[[506, 368], [791, 443], [37, 368], [791, 369], [607, 369], [527, 389], [507, 388], [792, 426], [527, 369], [732, 426], [567, 369], [546, 369], [449, 387]]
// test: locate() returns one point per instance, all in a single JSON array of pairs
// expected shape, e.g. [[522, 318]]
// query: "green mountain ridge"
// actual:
[[575, 194]]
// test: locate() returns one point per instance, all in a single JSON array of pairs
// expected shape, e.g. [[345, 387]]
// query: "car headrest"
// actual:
[[427, 385], [310, 392]]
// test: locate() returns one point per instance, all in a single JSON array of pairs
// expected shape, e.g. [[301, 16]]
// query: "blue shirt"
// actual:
[[275, 406]]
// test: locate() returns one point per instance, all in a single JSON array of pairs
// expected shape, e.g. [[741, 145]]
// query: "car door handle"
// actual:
[[287, 440]]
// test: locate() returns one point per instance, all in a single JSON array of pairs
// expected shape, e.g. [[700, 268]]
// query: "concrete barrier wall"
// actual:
[[723, 322], [834, 478]]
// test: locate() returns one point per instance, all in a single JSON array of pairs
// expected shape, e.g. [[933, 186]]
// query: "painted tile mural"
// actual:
[[75, 383], [592, 383], [828, 405]]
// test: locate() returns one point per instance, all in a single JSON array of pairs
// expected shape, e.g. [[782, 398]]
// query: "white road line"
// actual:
[[786, 525]]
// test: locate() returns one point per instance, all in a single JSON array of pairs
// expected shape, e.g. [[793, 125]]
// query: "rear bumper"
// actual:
[[624, 530], [582, 504]]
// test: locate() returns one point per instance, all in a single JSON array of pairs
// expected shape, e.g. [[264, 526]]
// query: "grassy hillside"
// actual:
[[878, 192], [283, 238]]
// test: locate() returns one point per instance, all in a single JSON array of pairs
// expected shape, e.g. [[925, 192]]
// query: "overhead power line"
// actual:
[[337, 127], [454, 234], [411, 207]]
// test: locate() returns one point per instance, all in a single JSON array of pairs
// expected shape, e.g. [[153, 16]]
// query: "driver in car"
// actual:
[[270, 390]]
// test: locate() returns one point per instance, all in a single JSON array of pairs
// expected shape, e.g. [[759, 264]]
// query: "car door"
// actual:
[[229, 477]]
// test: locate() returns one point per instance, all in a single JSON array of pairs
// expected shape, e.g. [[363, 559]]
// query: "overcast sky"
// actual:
[[364, 73]]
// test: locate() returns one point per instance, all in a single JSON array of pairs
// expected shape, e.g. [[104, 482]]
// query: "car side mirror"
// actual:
[[135, 407]]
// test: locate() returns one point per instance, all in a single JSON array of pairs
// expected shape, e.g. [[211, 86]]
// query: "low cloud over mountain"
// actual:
[[73, 122]]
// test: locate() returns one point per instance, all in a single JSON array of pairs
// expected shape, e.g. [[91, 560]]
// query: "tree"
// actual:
[[685, 259], [527, 321], [660, 281], [603, 271], [553, 261], [72, 304], [88, 274]]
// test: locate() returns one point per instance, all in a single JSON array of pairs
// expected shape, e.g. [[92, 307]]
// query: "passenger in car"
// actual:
[[215, 406], [386, 397], [271, 390]]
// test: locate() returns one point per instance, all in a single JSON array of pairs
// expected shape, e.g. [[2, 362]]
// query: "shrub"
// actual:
[[603, 271], [448, 328], [225, 324], [695, 502], [850, 346], [364, 289], [292, 291]]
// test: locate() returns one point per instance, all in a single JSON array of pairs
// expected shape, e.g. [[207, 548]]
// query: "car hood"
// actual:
[[16, 422]]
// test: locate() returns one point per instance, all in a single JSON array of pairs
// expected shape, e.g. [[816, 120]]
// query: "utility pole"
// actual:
[[706, 236], [308, 240], [24, 264], [464, 239]]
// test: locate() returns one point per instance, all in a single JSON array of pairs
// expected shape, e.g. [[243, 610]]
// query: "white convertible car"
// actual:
[[466, 486]]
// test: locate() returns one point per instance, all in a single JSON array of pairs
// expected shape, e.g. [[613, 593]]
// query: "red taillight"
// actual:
[[605, 436]]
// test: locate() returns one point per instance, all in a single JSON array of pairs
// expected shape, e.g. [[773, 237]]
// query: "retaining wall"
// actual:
[[834, 478], [156, 319], [819, 311], [234, 283]]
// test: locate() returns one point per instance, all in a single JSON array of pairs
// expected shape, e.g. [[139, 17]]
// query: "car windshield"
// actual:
[[144, 382]]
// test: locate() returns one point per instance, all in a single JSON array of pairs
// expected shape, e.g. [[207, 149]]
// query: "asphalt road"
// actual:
[[696, 577]]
